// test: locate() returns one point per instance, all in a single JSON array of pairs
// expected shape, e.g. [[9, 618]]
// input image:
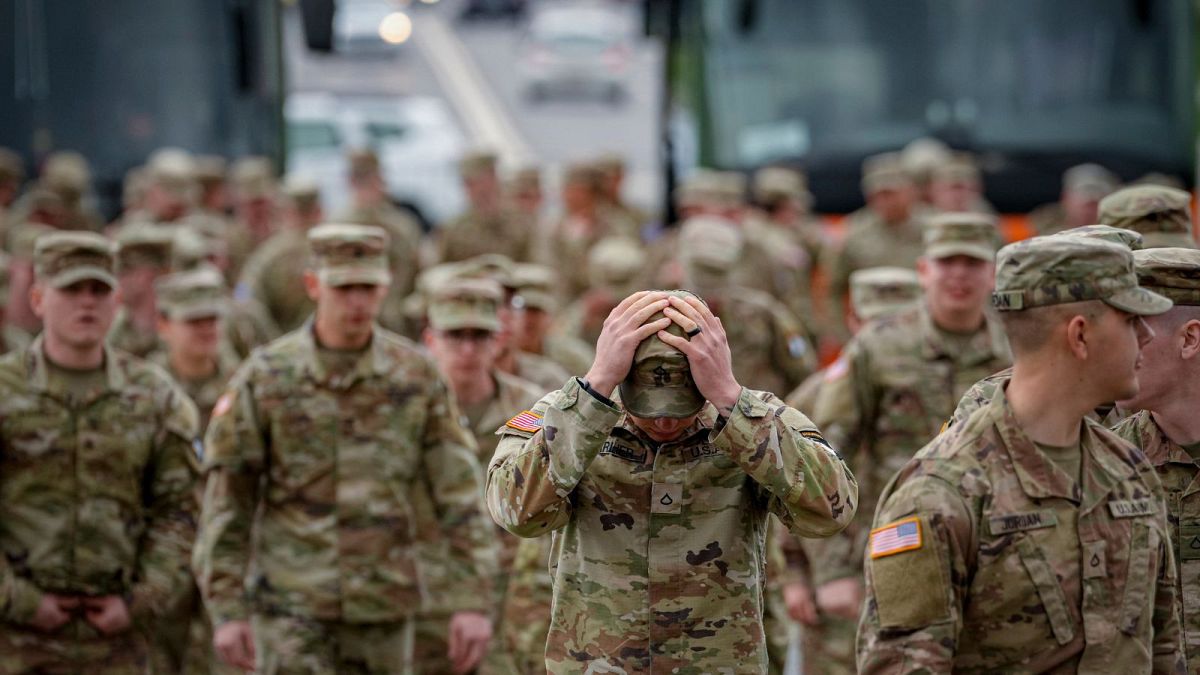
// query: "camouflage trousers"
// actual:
[[75, 649], [828, 647], [433, 642], [289, 645], [775, 628]]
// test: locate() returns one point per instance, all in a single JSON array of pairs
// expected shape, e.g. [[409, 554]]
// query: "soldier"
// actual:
[[1083, 187], [770, 350], [274, 273], [534, 305], [487, 226], [340, 447], [95, 481], [68, 175], [1162, 215], [19, 313], [616, 269], [209, 174], [956, 186], [1036, 538], [890, 391], [523, 194], [919, 159], [372, 206], [886, 232], [461, 337], [12, 338], [1166, 428], [585, 222], [143, 255], [612, 183], [254, 215], [659, 507], [170, 186]]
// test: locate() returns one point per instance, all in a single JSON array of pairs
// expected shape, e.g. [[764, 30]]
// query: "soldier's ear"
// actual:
[[311, 285], [37, 294], [1191, 339]]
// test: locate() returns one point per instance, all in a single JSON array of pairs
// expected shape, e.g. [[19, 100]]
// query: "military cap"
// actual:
[[884, 171], [490, 265], [966, 233], [22, 238], [172, 169], [582, 173], [921, 157], [778, 182], [1117, 235], [1161, 214], [525, 178], [466, 303], [145, 245], [1045, 271], [301, 191], [196, 242], [67, 173], [709, 242], [535, 287], [253, 177], [210, 169], [659, 383], [698, 188], [476, 162], [64, 258], [616, 264], [1171, 272], [345, 254], [12, 167], [730, 187], [195, 294], [960, 167], [1091, 179], [5, 273], [610, 163], [875, 291]]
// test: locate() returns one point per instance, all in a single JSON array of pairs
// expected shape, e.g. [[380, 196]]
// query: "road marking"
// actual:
[[480, 108]]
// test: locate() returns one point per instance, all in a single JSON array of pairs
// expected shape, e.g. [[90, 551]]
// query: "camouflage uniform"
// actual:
[[1020, 565], [95, 491], [361, 489], [139, 246], [525, 616], [1162, 215], [659, 547], [474, 233], [11, 337], [1091, 180], [274, 276]]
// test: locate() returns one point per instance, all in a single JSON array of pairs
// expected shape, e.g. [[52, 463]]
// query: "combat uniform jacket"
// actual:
[[661, 559], [203, 393], [95, 487], [890, 392], [473, 234], [1010, 565], [362, 490], [12, 339], [274, 276], [1180, 477], [125, 336], [769, 345]]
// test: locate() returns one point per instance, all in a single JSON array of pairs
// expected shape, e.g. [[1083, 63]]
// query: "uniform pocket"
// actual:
[[1143, 556], [1048, 589]]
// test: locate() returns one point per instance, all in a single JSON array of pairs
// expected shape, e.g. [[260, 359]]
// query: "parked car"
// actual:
[[576, 49]]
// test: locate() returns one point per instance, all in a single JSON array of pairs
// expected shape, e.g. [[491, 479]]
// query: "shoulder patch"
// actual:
[[797, 346], [816, 437], [898, 537], [527, 421], [838, 369], [224, 404]]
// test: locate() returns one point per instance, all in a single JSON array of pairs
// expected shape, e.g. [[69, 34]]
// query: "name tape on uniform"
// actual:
[[1131, 508], [1019, 522], [528, 421], [898, 537]]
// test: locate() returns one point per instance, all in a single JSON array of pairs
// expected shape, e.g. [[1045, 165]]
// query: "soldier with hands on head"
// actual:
[[659, 503], [97, 513], [339, 447], [1029, 538]]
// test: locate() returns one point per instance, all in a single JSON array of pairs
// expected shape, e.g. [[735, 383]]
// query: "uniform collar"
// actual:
[[372, 362], [985, 344], [1101, 469], [37, 368]]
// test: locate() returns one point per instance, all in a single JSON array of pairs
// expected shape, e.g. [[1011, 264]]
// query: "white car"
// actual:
[[577, 49], [375, 27]]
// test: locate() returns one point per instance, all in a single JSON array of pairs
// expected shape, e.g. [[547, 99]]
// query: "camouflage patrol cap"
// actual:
[[22, 238], [210, 170], [659, 383], [194, 245], [1089, 179], [67, 173], [884, 171], [459, 303], [144, 245], [535, 286], [778, 182], [1161, 214], [301, 192], [921, 157], [615, 264], [960, 167], [1173, 273], [253, 177], [1045, 271], [709, 244], [172, 169], [966, 233], [1117, 235], [495, 266], [525, 179], [64, 258], [477, 162], [345, 254], [195, 294], [876, 291]]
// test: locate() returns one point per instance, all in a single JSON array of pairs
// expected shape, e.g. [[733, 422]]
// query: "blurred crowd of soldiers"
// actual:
[[250, 301]]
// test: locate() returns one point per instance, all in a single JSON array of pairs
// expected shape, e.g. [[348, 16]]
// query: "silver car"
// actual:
[[573, 50]]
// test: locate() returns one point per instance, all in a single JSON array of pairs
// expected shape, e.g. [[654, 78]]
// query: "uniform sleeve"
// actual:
[[534, 471], [456, 488], [164, 575], [912, 614], [806, 484], [839, 414], [235, 448]]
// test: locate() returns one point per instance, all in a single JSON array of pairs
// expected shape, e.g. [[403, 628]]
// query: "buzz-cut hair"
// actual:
[[1029, 330]]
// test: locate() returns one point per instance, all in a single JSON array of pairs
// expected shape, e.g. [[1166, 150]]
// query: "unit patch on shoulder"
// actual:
[[837, 370], [816, 437], [797, 346], [898, 537], [527, 421]]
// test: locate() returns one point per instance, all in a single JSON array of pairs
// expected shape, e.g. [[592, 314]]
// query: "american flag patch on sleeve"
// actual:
[[897, 537], [527, 421]]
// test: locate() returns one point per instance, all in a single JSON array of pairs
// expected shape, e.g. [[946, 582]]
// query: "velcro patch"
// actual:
[[527, 421], [816, 437], [898, 537], [1019, 522], [623, 451], [1131, 508]]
